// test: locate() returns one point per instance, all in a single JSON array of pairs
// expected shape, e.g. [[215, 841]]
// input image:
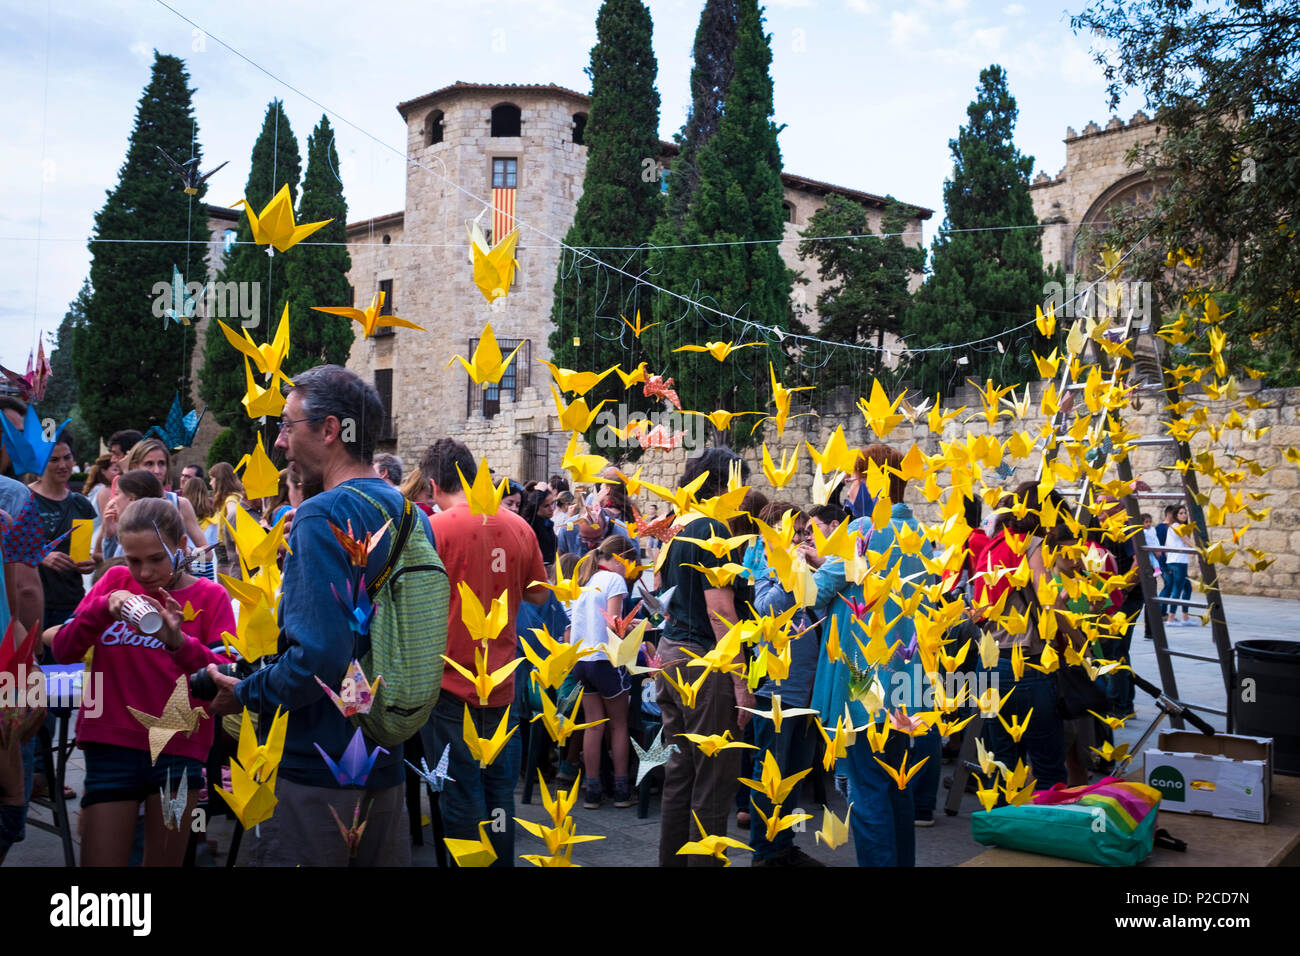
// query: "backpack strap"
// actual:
[[395, 551]]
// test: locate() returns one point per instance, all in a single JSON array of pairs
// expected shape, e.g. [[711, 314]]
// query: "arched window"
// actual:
[[433, 128], [505, 120], [789, 211], [579, 128]]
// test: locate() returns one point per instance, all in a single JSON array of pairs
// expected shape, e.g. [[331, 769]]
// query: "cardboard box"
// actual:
[[1226, 775]]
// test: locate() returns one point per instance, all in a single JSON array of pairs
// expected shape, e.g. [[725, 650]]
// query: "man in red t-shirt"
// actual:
[[491, 555]]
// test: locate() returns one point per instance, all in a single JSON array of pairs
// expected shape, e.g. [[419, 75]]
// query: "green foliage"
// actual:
[[738, 199], [61, 393], [127, 366], [866, 293], [275, 162], [227, 447], [982, 284], [1223, 83], [618, 206], [318, 274]]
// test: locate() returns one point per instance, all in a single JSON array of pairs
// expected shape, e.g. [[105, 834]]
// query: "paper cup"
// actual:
[[142, 615]]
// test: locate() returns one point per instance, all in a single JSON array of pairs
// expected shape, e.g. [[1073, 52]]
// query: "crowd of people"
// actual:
[[167, 539]]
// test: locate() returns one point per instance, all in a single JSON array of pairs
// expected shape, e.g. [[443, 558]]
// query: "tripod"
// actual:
[[1167, 707]]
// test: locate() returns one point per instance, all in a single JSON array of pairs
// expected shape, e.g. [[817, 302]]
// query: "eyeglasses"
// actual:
[[286, 425]]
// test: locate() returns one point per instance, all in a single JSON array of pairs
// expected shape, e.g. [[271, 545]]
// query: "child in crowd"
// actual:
[[143, 672], [605, 687]]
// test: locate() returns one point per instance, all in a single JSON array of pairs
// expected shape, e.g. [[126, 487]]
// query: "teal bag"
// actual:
[[408, 635], [1090, 834]]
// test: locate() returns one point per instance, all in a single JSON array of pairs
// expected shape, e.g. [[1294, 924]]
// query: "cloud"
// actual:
[[906, 27], [864, 7], [1014, 10]]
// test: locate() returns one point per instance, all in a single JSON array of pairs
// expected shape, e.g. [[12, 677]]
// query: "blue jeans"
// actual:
[[1043, 742], [883, 817], [477, 794], [1119, 682], [1176, 586], [793, 749]]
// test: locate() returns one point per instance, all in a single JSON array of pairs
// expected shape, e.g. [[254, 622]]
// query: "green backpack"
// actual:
[[408, 634]]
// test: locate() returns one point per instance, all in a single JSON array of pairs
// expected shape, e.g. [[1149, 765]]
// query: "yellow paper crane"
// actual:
[[1016, 729], [720, 419], [634, 377], [261, 402], [834, 832], [261, 477], [486, 365], [686, 689], [473, 853], [711, 744], [481, 495], [903, 774], [719, 350], [486, 750], [711, 844], [779, 476], [494, 269], [775, 823], [483, 624], [559, 725], [260, 761], [268, 356], [274, 225], [258, 634], [370, 318], [584, 468], [177, 717], [638, 328], [576, 416], [551, 670], [778, 713], [566, 590], [256, 546], [781, 397], [251, 802], [1046, 323], [880, 413], [836, 456], [579, 383], [558, 838], [483, 680], [771, 783]]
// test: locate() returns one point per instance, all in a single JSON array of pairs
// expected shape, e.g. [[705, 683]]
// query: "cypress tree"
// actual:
[[128, 367], [275, 162], [738, 199], [61, 393], [983, 282], [866, 296], [318, 274], [619, 203]]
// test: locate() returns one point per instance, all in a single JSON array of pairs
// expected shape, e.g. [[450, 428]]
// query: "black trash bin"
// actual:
[[1267, 699]]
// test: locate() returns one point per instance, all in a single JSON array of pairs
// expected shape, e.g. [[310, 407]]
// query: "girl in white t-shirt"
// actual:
[[605, 687]]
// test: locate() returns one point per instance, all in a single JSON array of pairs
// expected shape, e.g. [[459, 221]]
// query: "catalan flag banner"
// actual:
[[503, 213]]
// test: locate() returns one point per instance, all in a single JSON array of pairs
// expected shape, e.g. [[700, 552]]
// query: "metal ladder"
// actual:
[[1119, 372]]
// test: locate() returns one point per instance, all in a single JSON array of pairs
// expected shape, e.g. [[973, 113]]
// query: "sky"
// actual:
[[870, 92]]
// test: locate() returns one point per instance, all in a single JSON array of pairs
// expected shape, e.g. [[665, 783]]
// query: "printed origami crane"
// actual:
[[656, 755], [188, 171], [353, 766], [24, 534], [370, 318], [174, 804], [656, 386], [486, 365], [181, 308], [31, 387], [352, 835], [437, 777], [177, 716], [180, 428], [355, 695], [28, 449], [494, 268], [274, 225]]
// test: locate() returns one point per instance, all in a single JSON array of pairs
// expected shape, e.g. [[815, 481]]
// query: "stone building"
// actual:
[[474, 149]]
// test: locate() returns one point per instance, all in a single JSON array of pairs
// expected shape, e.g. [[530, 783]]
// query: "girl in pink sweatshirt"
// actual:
[[131, 669]]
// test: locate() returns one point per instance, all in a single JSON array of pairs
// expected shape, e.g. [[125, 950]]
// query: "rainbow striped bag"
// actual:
[[1110, 823]]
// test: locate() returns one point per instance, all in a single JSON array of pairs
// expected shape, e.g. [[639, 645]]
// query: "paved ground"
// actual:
[[630, 841]]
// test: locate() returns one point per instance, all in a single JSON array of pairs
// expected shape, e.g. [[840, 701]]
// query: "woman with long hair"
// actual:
[[538, 510], [227, 495], [415, 489], [126, 488], [152, 455], [196, 493]]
